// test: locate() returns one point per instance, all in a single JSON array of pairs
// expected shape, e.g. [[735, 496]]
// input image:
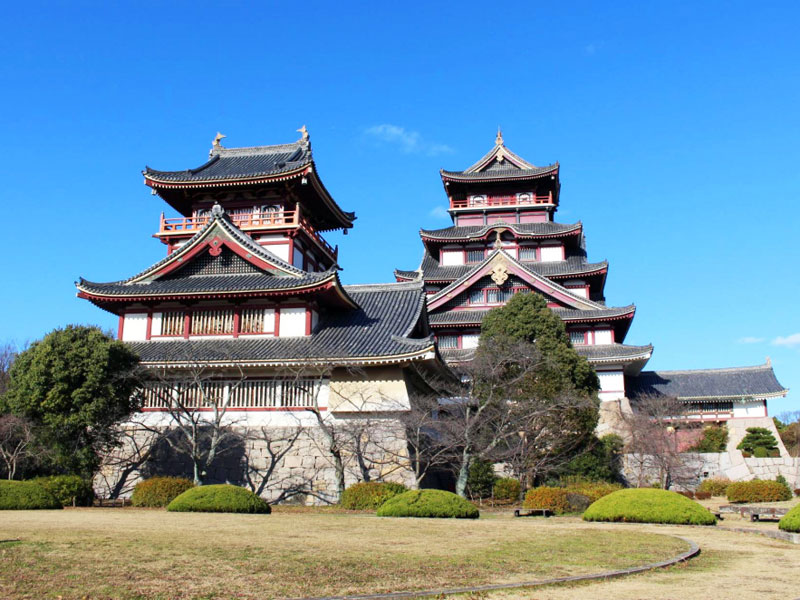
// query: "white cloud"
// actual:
[[410, 142], [439, 212], [750, 340], [790, 341]]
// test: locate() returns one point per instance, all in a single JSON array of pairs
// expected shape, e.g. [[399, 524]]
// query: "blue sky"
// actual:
[[676, 125]]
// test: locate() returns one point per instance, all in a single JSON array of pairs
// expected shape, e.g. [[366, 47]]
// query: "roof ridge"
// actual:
[[764, 367], [253, 150], [385, 287]]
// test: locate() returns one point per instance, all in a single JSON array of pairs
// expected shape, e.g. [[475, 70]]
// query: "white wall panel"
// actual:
[[293, 322], [134, 328]]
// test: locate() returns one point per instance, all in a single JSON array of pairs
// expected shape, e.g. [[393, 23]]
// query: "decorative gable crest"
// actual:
[[500, 274]]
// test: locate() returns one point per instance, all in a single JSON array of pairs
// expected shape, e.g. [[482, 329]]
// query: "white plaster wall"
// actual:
[[155, 328], [374, 390], [279, 250], [551, 253], [134, 328], [756, 408], [603, 336], [470, 340], [452, 257], [612, 385], [292, 322]]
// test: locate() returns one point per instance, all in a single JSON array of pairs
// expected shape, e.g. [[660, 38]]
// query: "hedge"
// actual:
[[219, 498], [549, 498], [716, 486], [159, 491], [758, 491], [593, 489], [370, 495], [791, 520], [26, 495], [645, 505], [506, 488], [67, 488], [428, 503]]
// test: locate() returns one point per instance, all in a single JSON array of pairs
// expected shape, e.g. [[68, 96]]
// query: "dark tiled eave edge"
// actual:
[[462, 317], [614, 353], [452, 234], [505, 175]]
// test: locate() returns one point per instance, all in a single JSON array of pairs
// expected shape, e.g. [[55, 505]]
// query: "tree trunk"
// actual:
[[463, 474]]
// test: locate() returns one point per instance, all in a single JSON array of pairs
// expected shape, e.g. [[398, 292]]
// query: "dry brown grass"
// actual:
[[132, 553]]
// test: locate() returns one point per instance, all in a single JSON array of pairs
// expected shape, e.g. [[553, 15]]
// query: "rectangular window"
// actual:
[[236, 394], [448, 341], [476, 297], [578, 338], [527, 253], [257, 320], [172, 323], [211, 322], [475, 256]]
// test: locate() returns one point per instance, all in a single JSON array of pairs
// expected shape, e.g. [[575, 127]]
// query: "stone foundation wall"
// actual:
[[281, 464]]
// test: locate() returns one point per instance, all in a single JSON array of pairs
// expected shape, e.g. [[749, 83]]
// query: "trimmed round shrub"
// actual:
[[68, 488], [26, 495], [428, 503], [370, 495], [791, 520], [758, 491], [593, 489], [159, 491], [550, 498], [219, 498], [716, 486], [642, 505], [506, 488]]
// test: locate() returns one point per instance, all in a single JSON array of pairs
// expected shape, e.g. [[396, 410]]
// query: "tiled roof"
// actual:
[[610, 352], [241, 163], [468, 317], [736, 382], [572, 266], [533, 230], [500, 174], [500, 163], [377, 330]]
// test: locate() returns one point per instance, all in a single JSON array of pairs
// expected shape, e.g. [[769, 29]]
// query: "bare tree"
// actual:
[[653, 442], [195, 399], [136, 445], [16, 443], [264, 477]]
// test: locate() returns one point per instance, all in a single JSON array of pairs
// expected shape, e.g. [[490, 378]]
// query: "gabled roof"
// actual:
[[257, 271], [475, 317], [499, 258], [431, 271], [237, 167], [378, 331], [498, 164], [736, 383], [521, 230]]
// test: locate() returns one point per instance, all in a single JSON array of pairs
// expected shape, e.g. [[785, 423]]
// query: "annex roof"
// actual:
[[707, 384], [475, 317], [379, 330]]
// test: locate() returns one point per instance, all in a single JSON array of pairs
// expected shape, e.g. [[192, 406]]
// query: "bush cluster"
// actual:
[[26, 495], [480, 481], [68, 488], [644, 505], [428, 503], [758, 491], [759, 442], [506, 488], [159, 491], [593, 489], [370, 495], [716, 486], [791, 520], [219, 498], [548, 498], [715, 439]]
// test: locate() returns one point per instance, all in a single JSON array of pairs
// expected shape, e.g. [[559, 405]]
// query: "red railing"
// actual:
[[249, 221], [511, 200]]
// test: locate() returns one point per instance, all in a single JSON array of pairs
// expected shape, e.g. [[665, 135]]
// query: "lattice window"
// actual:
[[256, 320], [475, 256], [227, 263], [172, 323], [234, 394], [578, 338], [476, 297], [527, 253], [448, 341], [212, 322]]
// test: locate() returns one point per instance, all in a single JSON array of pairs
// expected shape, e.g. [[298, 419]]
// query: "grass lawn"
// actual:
[[140, 553]]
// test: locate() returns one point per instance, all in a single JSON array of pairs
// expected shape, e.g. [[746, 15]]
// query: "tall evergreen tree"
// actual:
[[75, 385]]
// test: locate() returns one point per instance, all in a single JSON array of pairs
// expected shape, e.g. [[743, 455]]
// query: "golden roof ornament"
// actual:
[[303, 133], [500, 274], [498, 141], [217, 140]]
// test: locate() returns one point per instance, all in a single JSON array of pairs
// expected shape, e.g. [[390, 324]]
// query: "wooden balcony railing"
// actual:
[[492, 201]]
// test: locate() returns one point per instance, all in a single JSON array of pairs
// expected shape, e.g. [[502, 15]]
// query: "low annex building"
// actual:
[[248, 303]]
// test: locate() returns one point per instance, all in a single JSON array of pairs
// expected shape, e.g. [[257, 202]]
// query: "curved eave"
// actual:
[[739, 397], [331, 285], [627, 315], [427, 353], [429, 236], [462, 177]]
